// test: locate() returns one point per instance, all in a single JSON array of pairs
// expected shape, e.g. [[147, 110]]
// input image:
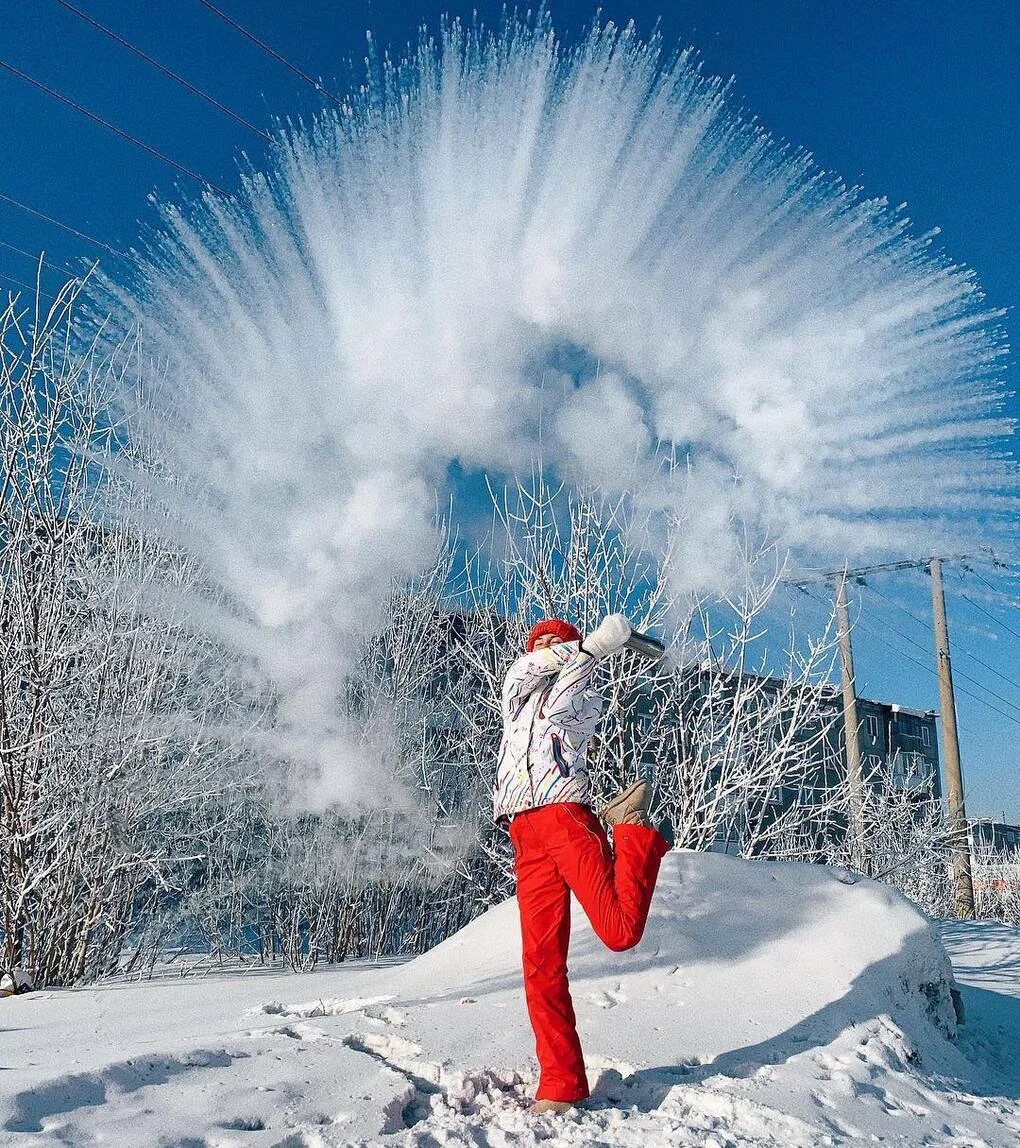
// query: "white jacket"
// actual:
[[549, 713]]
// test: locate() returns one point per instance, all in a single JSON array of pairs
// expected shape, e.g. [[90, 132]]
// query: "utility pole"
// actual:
[[851, 728], [951, 749]]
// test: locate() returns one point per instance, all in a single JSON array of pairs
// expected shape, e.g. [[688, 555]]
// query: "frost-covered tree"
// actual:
[[92, 763]]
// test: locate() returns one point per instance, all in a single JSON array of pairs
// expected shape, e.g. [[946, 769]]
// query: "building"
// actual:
[[899, 755], [989, 836], [903, 739]]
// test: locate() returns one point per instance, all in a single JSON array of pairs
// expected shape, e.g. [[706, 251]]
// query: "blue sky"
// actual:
[[913, 99]]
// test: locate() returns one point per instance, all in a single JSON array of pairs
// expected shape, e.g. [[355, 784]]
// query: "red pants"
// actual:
[[558, 850]]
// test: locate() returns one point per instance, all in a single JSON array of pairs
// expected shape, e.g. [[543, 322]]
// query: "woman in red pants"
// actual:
[[549, 712]]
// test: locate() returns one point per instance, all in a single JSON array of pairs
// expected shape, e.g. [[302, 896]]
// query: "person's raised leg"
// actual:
[[544, 903], [615, 893]]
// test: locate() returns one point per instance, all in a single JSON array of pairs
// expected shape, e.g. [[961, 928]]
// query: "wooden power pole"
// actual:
[[851, 727], [951, 749]]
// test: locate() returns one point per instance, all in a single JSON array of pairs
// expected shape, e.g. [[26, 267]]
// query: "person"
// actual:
[[550, 710]]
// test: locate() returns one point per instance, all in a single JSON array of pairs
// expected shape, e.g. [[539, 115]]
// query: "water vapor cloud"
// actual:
[[396, 294]]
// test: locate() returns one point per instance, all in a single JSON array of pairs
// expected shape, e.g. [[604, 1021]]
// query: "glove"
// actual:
[[608, 637]]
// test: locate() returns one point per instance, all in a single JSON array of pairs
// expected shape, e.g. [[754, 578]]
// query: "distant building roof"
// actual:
[[898, 709]]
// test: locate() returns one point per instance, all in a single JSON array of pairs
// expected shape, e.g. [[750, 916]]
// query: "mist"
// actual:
[[400, 290]]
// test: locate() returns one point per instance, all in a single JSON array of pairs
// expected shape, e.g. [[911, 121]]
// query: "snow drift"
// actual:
[[768, 1003], [736, 957]]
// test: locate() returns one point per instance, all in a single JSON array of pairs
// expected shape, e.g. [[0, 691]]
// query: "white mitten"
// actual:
[[608, 637]]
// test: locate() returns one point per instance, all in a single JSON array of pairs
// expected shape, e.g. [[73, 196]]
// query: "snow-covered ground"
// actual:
[[767, 1005]]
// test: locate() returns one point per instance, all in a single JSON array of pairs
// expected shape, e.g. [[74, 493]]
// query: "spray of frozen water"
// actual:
[[395, 294]]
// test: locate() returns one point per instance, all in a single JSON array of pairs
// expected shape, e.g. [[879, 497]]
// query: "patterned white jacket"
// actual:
[[549, 712]]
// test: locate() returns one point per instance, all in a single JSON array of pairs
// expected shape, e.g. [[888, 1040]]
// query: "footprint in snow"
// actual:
[[607, 998]]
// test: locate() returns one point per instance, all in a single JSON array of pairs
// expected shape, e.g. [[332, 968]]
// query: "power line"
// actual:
[[880, 567], [990, 617], [112, 127], [17, 282], [997, 621], [859, 572], [909, 564], [36, 290], [37, 260], [903, 610], [982, 578], [956, 645], [858, 625], [922, 665], [178, 79], [56, 223], [959, 672], [272, 52]]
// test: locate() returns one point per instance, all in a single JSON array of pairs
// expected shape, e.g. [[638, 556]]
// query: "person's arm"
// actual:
[[533, 672], [566, 704], [567, 701], [571, 664]]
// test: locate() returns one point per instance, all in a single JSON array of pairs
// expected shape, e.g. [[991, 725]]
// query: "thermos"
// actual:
[[645, 645]]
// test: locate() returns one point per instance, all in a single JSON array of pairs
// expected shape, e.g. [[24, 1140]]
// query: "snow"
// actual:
[[768, 1004]]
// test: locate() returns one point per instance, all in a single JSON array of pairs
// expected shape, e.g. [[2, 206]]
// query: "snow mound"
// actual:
[[768, 1004], [744, 960]]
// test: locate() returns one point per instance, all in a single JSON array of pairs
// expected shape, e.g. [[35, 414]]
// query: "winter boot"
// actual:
[[553, 1107], [629, 807]]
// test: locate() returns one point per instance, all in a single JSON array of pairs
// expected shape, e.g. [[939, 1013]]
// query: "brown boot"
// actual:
[[629, 807], [555, 1107]]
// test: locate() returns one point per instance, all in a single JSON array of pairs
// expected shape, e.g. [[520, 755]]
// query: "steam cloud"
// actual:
[[396, 293]]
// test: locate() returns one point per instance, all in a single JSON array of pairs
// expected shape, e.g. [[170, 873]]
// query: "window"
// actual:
[[910, 771], [873, 726], [926, 734]]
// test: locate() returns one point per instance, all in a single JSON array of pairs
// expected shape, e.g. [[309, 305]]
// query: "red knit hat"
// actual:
[[563, 630]]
